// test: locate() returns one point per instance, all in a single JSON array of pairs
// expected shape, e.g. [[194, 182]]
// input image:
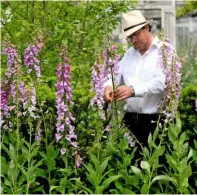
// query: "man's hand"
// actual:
[[108, 94], [123, 92]]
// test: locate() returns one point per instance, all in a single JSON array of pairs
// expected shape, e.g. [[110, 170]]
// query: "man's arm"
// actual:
[[154, 86]]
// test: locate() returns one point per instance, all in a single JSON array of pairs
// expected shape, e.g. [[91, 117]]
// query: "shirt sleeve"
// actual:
[[154, 86]]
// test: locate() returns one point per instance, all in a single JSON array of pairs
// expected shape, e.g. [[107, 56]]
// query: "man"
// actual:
[[140, 80]]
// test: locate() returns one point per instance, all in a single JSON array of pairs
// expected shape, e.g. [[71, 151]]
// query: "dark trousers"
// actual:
[[141, 125]]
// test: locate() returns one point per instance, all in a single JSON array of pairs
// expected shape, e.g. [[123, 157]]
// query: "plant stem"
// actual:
[[29, 158]]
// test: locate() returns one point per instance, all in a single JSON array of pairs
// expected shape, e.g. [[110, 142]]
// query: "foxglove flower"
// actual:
[[31, 54], [7, 86], [130, 140], [111, 62], [65, 119], [97, 83], [78, 161], [63, 151], [38, 136], [25, 98], [170, 64]]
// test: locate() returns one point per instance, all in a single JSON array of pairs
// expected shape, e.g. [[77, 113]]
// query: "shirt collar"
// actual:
[[155, 42]]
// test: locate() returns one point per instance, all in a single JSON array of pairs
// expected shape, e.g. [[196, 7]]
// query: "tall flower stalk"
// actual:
[[97, 83], [16, 96], [170, 63], [65, 121], [8, 83], [31, 56], [111, 60]]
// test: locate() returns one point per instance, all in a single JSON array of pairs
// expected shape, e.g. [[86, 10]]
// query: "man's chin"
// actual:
[[135, 47]]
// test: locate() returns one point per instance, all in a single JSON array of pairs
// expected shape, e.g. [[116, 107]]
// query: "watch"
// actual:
[[133, 91]]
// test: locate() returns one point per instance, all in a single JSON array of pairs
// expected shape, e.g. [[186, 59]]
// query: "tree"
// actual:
[[189, 7]]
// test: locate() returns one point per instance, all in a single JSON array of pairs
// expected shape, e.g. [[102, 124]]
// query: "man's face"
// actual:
[[139, 38]]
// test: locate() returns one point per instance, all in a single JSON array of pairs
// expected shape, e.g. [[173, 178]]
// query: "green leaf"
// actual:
[[25, 152], [51, 152], [126, 191], [106, 173], [145, 188], [21, 180], [11, 165], [109, 180], [5, 149], [4, 165], [42, 154], [34, 145], [22, 169], [7, 183], [93, 178], [182, 138], [172, 135], [177, 127], [136, 170], [164, 178], [52, 188], [118, 184], [12, 153], [87, 189], [40, 172], [172, 161], [123, 144], [39, 163], [95, 161], [32, 178], [190, 154], [132, 180], [34, 152], [50, 158], [161, 150], [99, 189], [195, 156], [103, 166], [145, 165], [27, 144]]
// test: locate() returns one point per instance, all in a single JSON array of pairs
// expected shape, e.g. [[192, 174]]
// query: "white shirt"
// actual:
[[143, 73]]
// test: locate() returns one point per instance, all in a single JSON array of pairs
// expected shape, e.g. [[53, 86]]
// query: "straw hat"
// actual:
[[132, 22]]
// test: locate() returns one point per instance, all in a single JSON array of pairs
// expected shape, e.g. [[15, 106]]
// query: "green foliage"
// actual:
[[189, 73], [45, 93], [179, 158], [110, 165], [189, 7], [187, 110], [20, 168], [78, 25], [97, 175]]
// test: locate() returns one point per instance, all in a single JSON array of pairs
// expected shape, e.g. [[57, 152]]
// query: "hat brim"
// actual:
[[131, 31]]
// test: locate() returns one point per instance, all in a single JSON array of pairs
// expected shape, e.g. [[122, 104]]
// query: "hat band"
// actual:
[[134, 26]]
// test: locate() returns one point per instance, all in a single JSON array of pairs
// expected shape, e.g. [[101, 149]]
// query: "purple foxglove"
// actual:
[[170, 63], [63, 151], [64, 126], [31, 54], [78, 161]]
